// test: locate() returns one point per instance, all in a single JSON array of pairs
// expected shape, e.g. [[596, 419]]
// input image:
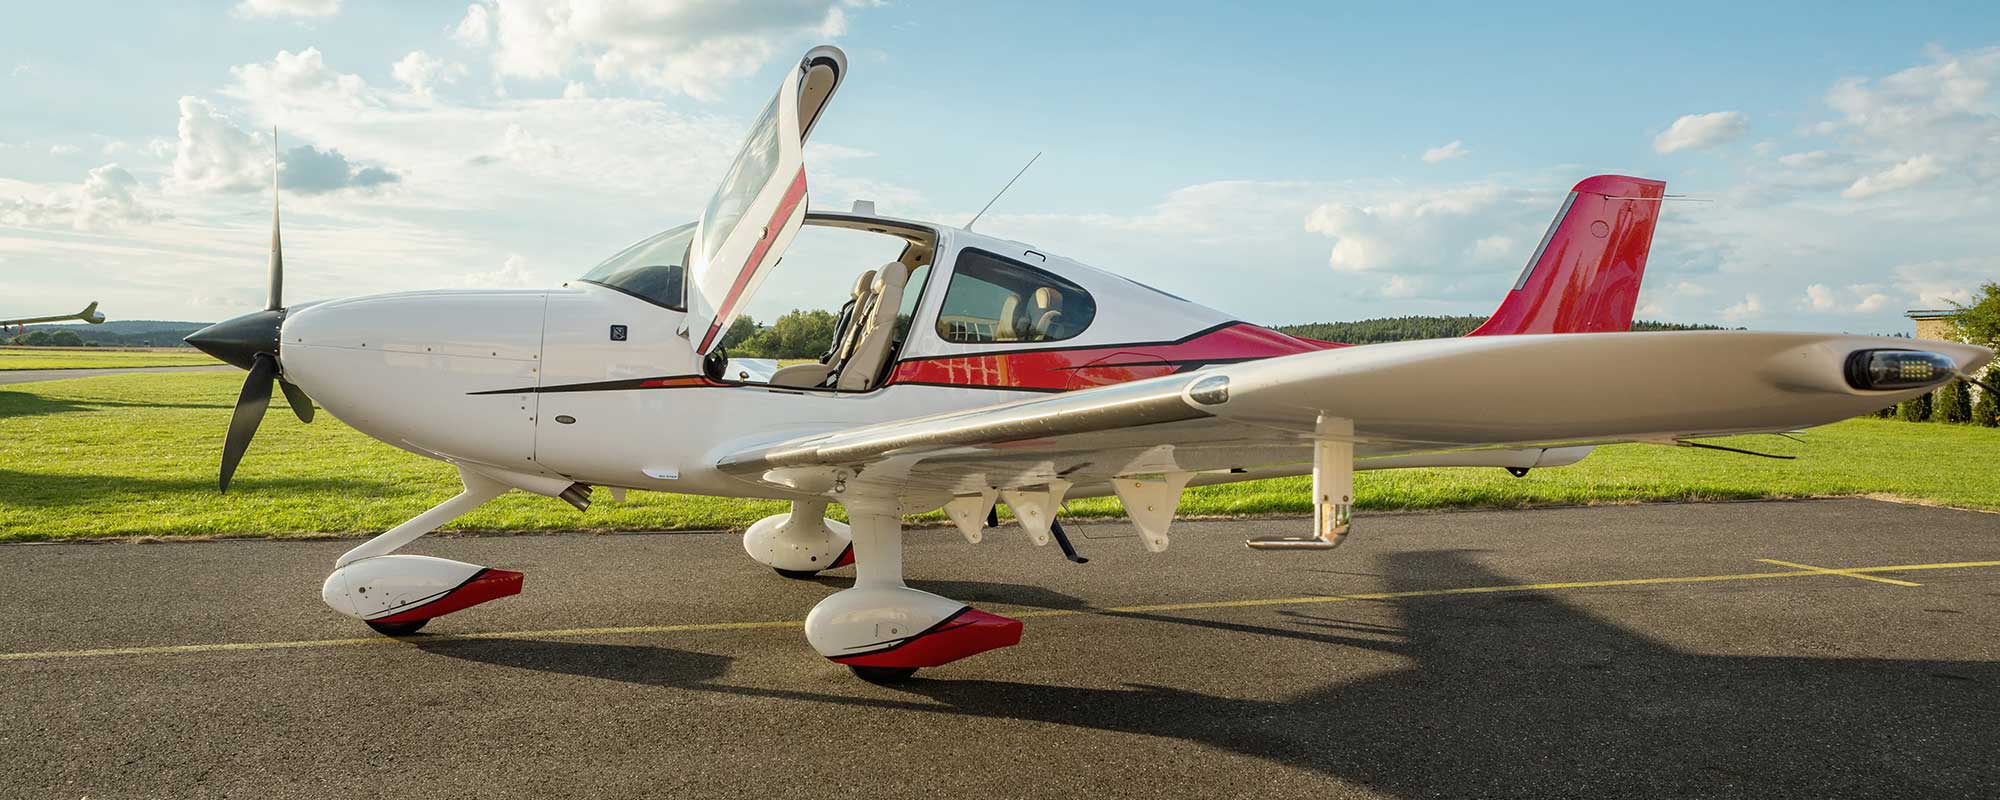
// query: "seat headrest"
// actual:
[[1047, 298], [864, 283], [894, 273]]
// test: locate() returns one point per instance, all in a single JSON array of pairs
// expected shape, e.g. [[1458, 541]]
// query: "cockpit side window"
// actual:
[[994, 300], [654, 270]]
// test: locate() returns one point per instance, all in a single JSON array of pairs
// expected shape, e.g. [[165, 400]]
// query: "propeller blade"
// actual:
[[250, 407], [301, 404], [277, 300]]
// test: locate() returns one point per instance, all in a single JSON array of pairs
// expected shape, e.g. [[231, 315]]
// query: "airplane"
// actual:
[[89, 314], [972, 371]]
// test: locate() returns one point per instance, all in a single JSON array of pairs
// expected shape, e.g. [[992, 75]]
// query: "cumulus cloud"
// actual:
[[301, 78], [287, 8], [476, 28], [1857, 298], [689, 47], [1461, 229], [1939, 283], [1913, 172], [1698, 131], [422, 72], [1750, 307], [108, 197], [1446, 152], [309, 170], [213, 155], [513, 274]]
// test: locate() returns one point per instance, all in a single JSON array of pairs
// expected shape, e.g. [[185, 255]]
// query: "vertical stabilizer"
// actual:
[[1584, 278]]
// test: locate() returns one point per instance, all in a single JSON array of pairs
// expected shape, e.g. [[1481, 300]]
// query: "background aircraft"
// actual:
[[89, 314]]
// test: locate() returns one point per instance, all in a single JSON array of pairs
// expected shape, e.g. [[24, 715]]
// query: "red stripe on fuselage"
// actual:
[[793, 194], [1064, 369]]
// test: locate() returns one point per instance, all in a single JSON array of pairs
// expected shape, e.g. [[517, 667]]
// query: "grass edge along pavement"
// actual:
[[136, 455]]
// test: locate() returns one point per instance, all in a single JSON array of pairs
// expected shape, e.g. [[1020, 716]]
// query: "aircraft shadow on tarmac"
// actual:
[[1507, 695]]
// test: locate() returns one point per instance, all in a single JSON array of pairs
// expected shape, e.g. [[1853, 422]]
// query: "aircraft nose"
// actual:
[[238, 341]]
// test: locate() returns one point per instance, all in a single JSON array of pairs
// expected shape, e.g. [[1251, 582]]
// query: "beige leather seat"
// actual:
[[808, 375], [1013, 325], [1046, 312], [863, 368]]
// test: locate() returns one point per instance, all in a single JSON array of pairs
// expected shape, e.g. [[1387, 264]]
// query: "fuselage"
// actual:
[[536, 382]]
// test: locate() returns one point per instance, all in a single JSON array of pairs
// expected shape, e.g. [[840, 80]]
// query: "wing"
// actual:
[[1468, 396]]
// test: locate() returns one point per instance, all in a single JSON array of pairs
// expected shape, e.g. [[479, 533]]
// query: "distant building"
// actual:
[[1934, 323]]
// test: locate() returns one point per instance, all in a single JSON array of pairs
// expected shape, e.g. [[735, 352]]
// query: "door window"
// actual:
[[994, 300]]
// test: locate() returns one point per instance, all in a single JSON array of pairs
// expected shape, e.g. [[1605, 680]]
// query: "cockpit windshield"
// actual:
[[654, 270]]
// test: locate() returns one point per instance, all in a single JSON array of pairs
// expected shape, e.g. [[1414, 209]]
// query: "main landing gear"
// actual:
[[884, 630], [800, 544]]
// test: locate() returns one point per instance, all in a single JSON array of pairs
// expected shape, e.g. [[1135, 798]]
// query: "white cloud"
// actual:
[[301, 79], [1750, 307], [287, 8], [108, 197], [1446, 152], [1697, 131], [689, 47], [1913, 172], [1939, 283], [1811, 159], [64, 150], [213, 155], [476, 29], [512, 274], [1857, 298], [422, 72], [1469, 228], [21, 70]]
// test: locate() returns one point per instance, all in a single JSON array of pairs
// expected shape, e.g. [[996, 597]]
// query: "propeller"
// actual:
[[251, 342]]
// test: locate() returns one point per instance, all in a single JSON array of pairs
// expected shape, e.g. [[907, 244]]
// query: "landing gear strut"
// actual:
[[884, 630]]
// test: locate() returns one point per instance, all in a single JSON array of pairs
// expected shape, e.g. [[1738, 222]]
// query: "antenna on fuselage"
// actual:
[[1003, 190]]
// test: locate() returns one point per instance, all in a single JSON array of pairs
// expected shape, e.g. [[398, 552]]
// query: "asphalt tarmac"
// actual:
[[1640, 651], [34, 375]]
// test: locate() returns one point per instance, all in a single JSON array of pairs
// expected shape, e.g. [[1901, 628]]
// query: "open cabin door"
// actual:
[[762, 201]]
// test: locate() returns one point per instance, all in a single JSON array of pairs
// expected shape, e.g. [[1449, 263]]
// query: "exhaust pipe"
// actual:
[[578, 495]]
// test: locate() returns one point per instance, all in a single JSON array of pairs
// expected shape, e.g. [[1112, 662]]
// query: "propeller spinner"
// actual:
[[251, 342]]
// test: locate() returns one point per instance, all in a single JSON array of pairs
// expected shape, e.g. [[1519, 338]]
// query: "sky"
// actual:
[[1284, 162]]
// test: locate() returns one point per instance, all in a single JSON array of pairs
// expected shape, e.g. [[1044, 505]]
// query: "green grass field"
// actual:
[[96, 358], [135, 455]]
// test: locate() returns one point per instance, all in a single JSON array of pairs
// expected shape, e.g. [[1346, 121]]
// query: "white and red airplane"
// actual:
[[973, 370]]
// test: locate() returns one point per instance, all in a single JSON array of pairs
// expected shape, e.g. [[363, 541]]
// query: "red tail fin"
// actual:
[[1585, 276]]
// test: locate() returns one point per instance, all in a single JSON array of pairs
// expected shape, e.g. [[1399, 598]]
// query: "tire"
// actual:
[[883, 675], [398, 628], [797, 574]]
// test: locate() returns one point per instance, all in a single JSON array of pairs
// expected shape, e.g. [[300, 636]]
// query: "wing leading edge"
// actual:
[[1472, 395]]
